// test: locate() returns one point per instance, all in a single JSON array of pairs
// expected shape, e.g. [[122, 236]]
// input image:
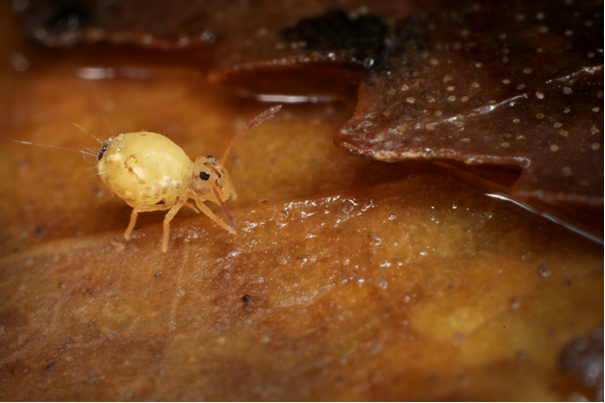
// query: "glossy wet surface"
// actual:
[[349, 279], [515, 84], [493, 83]]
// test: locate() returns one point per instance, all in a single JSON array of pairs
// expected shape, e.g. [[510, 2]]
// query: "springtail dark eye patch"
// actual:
[[101, 152], [204, 176]]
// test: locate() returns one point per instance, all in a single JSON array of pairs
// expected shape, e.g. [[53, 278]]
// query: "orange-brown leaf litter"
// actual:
[[349, 278]]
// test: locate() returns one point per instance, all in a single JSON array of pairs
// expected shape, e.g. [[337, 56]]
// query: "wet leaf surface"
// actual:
[[513, 85], [391, 291], [350, 278]]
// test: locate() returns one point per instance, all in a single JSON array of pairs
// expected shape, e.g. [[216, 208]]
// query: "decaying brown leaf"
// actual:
[[514, 85], [349, 279], [415, 289], [252, 52]]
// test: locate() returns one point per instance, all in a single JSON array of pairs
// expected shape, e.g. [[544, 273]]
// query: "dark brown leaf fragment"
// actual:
[[498, 83]]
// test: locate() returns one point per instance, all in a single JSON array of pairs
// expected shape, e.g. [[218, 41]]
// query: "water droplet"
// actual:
[[383, 284], [544, 271]]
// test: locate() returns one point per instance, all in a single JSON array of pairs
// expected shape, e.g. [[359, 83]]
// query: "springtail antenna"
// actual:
[[87, 132], [257, 121], [84, 152]]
